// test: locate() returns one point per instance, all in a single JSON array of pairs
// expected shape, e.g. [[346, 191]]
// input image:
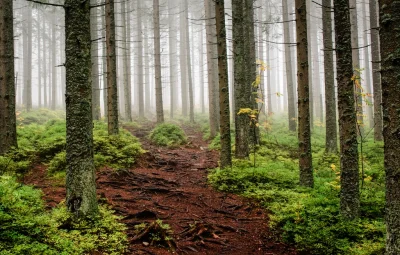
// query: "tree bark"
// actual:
[[376, 67], [53, 63], [330, 95], [304, 132], [80, 183], [140, 61], [39, 58], [8, 131], [112, 87], [28, 59], [225, 130], [349, 193], [157, 61], [390, 71]]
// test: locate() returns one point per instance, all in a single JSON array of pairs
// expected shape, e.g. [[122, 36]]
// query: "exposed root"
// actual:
[[155, 233]]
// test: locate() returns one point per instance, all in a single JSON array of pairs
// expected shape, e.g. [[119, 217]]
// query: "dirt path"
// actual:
[[171, 185]]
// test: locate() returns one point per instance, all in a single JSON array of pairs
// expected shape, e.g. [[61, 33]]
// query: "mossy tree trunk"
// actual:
[[330, 94], [157, 61], [349, 193], [390, 71], [303, 89], [80, 183], [243, 95], [112, 88], [225, 130], [8, 132]]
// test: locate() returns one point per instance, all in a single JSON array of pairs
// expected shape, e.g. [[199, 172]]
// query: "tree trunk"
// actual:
[[390, 71], [126, 61], [139, 68], [147, 72], [80, 183], [39, 58], [243, 97], [212, 83], [356, 61], [225, 130], [28, 59], [95, 62], [288, 64], [8, 131], [44, 65], [376, 67], [183, 59], [305, 157], [112, 88], [201, 72], [189, 64], [330, 98], [53, 63], [349, 193], [157, 61], [172, 57]]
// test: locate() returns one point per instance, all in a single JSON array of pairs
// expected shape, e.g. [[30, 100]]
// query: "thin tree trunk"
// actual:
[[349, 193], [305, 157], [201, 72], [157, 61], [288, 64], [189, 64], [95, 63], [104, 62], [390, 71], [39, 48], [376, 67], [140, 61], [28, 60], [212, 84], [330, 101], [126, 61], [356, 62], [172, 57], [80, 183], [225, 130], [44, 65], [183, 59], [53, 64], [8, 131], [148, 73]]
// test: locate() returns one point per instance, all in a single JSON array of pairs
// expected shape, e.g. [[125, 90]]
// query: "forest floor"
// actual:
[[171, 185]]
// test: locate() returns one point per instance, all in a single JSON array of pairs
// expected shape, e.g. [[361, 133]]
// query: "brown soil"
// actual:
[[171, 185]]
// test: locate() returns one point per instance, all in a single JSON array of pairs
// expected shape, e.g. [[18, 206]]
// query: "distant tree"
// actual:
[[288, 64], [330, 94], [112, 88], [304, 129], [126, 62], [157, 61], [172, 48], [81, 188], [225, 130], [8, 132], [53, 62], [139, 67], [349, 193], [390, 71], [27, 38]]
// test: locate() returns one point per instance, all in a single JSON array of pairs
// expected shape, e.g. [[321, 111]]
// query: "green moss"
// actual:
[[27, 228], [168, 135]]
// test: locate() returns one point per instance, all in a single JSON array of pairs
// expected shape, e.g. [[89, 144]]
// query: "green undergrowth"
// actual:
[[26, 228], [45, 143], [310, 218], [38, 116], [167, 134]]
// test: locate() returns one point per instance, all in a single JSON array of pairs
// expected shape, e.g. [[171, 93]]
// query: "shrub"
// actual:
[[169, 135], [26, 228], [39, 116]]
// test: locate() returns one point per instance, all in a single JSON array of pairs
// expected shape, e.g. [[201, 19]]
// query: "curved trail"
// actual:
[[171, 185]]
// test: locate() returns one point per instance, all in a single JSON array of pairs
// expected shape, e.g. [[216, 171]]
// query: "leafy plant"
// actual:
[[169, 135]]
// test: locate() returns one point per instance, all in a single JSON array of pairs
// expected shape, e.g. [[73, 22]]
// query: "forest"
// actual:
[[200, 127]]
